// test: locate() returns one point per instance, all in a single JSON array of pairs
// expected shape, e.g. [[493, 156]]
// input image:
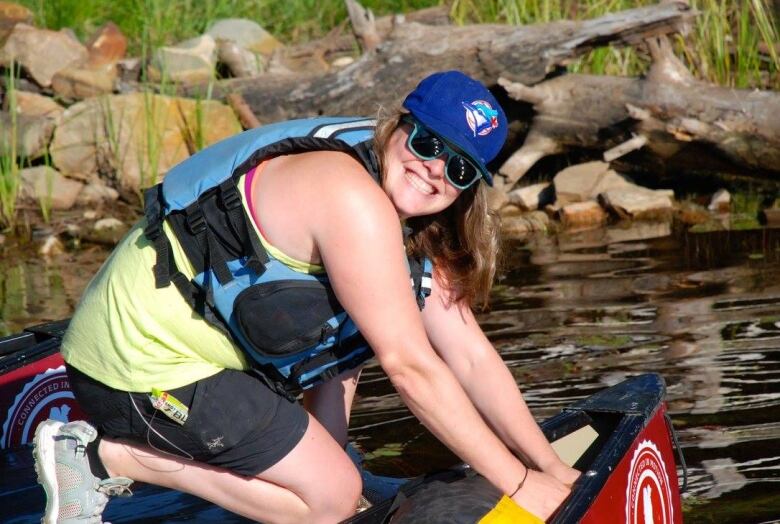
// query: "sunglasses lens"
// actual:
[[426, 146], [461, 172]]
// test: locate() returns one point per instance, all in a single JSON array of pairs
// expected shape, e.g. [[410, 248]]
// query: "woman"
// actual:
[[283, 244]]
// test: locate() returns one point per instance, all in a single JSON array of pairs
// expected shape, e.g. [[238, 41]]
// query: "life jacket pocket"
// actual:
[[285, 317]]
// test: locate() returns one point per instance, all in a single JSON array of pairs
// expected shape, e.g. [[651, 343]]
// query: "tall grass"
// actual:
[[9, 161], [722, 48]]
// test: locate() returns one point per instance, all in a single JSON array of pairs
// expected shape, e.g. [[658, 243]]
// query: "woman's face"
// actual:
[[415, 187]]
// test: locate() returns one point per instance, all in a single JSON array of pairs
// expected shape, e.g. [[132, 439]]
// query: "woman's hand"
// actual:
[[541, 494], [563, 473]]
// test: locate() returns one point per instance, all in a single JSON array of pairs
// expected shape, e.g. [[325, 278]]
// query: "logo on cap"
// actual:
[[481, 117]]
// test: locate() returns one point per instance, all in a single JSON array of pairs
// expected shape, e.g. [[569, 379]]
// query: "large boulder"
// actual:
[[35, 105], [189, 63], [107, 46], [32, 135], [246, 34], [635, 202], [10, 15], [47, 186], [78, 83], [582, 182], [136, 138], [41, 52]]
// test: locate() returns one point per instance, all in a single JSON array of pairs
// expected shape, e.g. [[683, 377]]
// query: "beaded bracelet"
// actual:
[[520, 485]]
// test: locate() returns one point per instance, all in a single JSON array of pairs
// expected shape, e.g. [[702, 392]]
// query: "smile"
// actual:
[[418, 183]]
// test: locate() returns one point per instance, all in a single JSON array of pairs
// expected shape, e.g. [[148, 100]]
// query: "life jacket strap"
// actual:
[[153, 212], [332, 356], [209, 246], [421, 270], [257, 257]]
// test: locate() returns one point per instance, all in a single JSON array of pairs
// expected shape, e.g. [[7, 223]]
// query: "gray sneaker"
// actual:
[[73, 493]]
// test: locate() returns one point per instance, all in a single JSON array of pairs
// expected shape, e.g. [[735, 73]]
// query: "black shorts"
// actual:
[[235, 421]]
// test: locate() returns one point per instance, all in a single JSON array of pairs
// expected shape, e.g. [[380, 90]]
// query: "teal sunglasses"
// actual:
[[459, 170]]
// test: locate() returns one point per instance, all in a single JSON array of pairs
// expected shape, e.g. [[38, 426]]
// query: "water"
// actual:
[[574, 314]]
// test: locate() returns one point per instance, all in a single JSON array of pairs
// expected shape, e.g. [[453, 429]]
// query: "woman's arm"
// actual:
[[458, 339], [357, 234]]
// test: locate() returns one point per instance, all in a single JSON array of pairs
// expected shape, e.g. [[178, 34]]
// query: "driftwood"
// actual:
[[412, 50], [681, 122], [664, 122]]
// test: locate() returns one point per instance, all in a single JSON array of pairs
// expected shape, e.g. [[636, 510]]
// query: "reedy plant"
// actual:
[[9, 162]]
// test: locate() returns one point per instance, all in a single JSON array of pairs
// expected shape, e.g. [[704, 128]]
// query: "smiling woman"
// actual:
[[288, 260]]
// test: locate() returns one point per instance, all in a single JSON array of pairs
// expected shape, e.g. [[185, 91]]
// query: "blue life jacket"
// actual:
[[289, 323]]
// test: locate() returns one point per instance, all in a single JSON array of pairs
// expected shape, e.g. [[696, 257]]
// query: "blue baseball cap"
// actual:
[[463, 112]]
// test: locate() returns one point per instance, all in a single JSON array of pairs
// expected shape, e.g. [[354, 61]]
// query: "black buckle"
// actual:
[[195, 221], [231, 198], [153, 230]]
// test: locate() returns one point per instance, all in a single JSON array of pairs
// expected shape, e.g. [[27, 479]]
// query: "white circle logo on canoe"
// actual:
[[47, 395], [648, 492]]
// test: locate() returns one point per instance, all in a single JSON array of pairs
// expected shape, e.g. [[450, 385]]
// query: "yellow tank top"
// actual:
[[132, 336]]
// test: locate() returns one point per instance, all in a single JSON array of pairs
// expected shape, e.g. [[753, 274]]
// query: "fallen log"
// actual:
[[685, 124], [526, 54]]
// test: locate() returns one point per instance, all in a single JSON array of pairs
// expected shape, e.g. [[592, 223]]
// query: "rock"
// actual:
[[342, 61], [638, 202], [496, 198], [96, 193], [45, 184], [35, 105], [108, 231], [51, 246], [239, 61], [247, 34], [78, 83], [10, 15], [691, 214], [33, 134], [90, 214], [583, 214], [582, 182], [41, 52], [721, 202], [107, 46], [530, 198], [519, 226], [139, 136], [769, 217], [190, 62]]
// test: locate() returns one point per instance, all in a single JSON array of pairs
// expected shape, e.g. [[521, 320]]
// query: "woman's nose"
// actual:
[[436, 165]]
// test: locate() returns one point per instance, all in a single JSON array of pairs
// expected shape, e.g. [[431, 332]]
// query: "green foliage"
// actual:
[[9, 161], [723, 46]]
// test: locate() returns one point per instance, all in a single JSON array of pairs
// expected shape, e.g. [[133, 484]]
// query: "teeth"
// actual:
[[418, 183]]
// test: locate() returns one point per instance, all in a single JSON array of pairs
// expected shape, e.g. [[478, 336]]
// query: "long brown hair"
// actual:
[[461, 240]]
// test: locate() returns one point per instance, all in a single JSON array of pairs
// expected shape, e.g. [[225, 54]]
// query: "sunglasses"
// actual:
[[459, 170]]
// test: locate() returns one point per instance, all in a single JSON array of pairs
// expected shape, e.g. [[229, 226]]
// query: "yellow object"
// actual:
[[134, 337], [507, 511]]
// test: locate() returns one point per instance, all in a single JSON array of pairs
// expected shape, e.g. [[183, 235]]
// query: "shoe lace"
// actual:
[[115, 487]]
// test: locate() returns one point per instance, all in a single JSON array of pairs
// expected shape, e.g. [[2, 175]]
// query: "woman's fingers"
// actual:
[[541, 494]]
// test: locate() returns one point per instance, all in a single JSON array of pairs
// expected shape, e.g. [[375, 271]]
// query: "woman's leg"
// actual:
[[331, 403], [315, 482]]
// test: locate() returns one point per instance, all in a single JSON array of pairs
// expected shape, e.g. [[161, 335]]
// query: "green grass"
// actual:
[[10, 178], [722, 48]]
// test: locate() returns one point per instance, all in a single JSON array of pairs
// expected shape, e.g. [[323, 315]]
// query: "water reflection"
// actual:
[[572, 315], [581, 312]]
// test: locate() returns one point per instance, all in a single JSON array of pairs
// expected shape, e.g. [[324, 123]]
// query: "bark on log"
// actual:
[[411, 51], [689, 125]]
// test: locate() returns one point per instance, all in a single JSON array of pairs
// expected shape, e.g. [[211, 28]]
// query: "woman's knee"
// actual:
[[339, 497]]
